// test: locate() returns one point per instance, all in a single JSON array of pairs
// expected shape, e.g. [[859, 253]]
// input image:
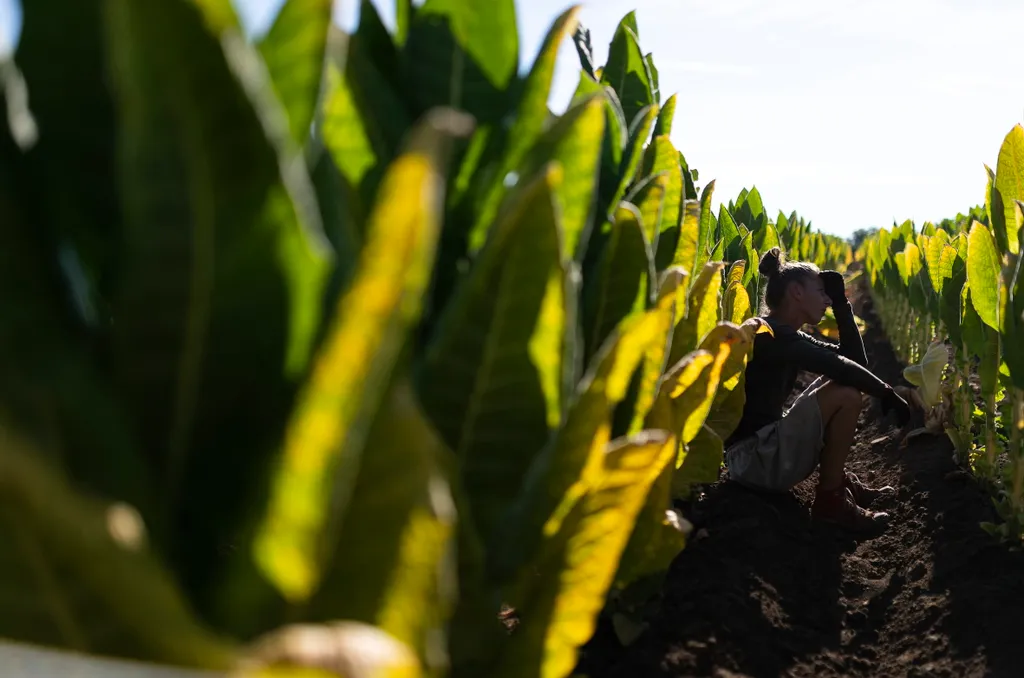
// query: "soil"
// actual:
[[760, 590]]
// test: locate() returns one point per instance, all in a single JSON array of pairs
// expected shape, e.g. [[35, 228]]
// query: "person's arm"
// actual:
[[851, 344], [821, 358]]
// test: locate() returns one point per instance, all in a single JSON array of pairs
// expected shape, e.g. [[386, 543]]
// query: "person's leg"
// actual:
[[836, 499], [840, 408]]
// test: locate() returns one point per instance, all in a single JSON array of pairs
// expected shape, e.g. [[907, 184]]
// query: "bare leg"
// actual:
[[835, 501], [840, 408]]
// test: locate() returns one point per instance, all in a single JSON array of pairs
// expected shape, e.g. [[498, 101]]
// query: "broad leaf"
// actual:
[[530, 119], [463, 55], [389, 564], [639, 132], [705, 232], [927, 375], [578, 562], [221, 292], [1010, 181], [575, 141], [325, 436], [71, 172], [294, 51], [665, 118], [492, 374], [983, 274], [616, 285], [77, 573], [702, 312], [662, 157], [626, 70], [570, 464]]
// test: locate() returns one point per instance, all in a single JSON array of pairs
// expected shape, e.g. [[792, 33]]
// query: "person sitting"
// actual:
[[775, 450]]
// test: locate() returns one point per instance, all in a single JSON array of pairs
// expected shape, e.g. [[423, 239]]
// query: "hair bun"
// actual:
[[771, 262]]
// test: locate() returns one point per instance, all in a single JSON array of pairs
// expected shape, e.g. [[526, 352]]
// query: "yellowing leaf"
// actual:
[[388, 563], [325, 435], [559, 605], [570, 463], [702, 311]]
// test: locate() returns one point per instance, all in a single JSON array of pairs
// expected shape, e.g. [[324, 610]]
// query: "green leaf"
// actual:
[[649, 198], [51, 386], [1010, 181], [77, 572], [569, 465], [225, 264], [529, 122], [578, 562], [491, 377], [70, 172], [650, 372], [574, 141], [685, 254], [983, 274], [954, 274], [639, 132], [626, 70], [662, 157], [731, 238], [388, 566], [405, 11], [995, 211], [705, 233], [933, 258], [616, 286], [328, 428], [463, 55], [294, 51], [362, 122], [585, 50], [668, 113]]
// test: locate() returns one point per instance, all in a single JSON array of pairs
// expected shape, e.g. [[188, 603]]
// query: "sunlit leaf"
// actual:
[[983, 274], [491, 377], [326, 433], [294, 50], [577, 564], [1009, 181]]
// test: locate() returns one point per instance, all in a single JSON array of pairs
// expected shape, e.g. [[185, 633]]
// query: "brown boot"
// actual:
[[864, 495], [839, 508]]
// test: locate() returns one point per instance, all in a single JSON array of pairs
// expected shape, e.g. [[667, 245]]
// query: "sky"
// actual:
[[854, 113]]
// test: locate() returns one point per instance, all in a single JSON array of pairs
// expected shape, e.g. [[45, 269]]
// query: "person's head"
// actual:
[[794, 288]]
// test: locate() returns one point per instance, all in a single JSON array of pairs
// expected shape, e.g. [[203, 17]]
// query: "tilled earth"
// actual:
[[762, 591]]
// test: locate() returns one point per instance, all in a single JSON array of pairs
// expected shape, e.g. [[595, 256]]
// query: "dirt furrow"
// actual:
[[763, 591]]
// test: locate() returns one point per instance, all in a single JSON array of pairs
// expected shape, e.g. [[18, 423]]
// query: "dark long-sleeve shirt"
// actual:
[[776, 361]]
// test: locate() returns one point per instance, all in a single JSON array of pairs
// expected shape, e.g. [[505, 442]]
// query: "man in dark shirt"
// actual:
[[774, 450]]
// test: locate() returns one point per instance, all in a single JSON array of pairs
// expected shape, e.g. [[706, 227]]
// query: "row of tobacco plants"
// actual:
[[951, 298], [342, 350]]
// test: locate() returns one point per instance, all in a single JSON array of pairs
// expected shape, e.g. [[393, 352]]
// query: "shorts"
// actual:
[[783, 453]]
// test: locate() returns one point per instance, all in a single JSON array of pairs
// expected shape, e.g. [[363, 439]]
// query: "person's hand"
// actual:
[[835, 286], [892, 402]]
